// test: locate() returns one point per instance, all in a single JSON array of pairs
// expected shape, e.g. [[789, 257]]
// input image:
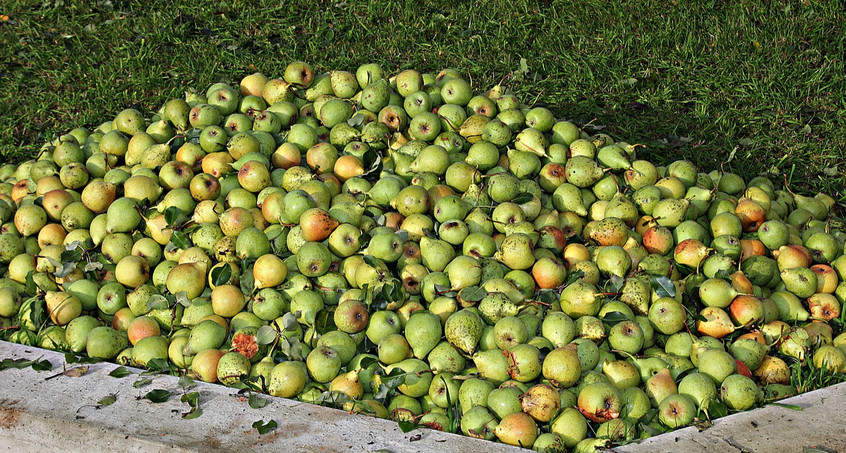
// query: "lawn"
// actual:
[[757, 87]]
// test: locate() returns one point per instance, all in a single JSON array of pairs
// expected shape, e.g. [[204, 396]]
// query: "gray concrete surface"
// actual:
[[770, 429], [60, 414]]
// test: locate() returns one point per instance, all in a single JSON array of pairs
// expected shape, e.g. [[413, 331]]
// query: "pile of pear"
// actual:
[[400, 246]]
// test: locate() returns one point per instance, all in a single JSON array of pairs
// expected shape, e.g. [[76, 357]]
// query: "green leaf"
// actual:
[[42, 365], [264, 428], [19, 364], [157, 366], [73, 358], [723, 274], [186, 383], [614, 317], [663, 286], [193, 400], [142, 382], [172, 215], [472, 293], [257, 402], [120, 372], [717, 409], [65, 269], [31, 287], [107, 400], [615, 283], [356, 120], [289, 321], [371, 261], [221, 275], [157, 396], [524, 197], [787, 406], [573, 277], [180, 240], [157, 302], [407, 426], [324, 322], [266, 335], [367, 361], [71, 255]]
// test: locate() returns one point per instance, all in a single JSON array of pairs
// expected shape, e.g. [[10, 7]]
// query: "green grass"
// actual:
[[761, 82]]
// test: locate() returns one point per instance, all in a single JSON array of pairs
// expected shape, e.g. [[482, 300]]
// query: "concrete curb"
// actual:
[[59, 414], [770, 429], [38, 415]]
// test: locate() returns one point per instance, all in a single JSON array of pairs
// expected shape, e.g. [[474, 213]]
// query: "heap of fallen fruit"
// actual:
[[402, 247]]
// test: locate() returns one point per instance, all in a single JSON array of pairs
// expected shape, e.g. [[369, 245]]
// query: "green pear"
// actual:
[[463, 329], [423, 331], [207, 334], [122, 216]]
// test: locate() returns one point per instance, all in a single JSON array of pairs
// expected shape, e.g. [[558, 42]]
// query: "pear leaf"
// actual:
[[257, 402], [73, 358], [221, 275], [157, 396], [266, 335], [407, 426], [186, 383], [142, 382], [107, 400], [716, 409], [472, 293], [614, 317], [172, 215], [21, 364], [120, 372], [157, 302], [264, 428], [524, 197], [663, 286], [193, 400], [180, 240], [723, 274]]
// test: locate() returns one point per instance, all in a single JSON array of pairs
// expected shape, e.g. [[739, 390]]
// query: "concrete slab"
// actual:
[[60, 414], [770, 429]]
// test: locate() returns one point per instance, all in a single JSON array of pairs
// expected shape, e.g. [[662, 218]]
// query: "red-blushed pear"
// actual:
[[658, 239], [517, 429], [549, 273], [751, 214], [660, 386], [142, 327], [691, 252], [827, 278], [751, 247], [317, 224], [715, 322], [746, 310], [740, 282]]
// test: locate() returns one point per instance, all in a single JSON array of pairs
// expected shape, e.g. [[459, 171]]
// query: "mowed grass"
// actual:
[[756, 87]]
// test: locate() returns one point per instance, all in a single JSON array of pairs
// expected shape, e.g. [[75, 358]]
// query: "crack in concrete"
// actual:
[[736, 445]]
